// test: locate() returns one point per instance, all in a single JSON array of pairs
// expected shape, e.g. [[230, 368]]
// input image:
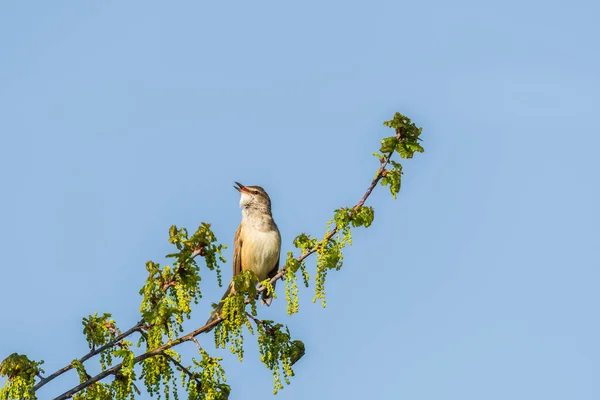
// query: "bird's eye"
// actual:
[[255, 191]]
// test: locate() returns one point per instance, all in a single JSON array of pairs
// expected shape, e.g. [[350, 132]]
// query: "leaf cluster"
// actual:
[[20, 372], [169, 291], [277, 351], [405, 142]]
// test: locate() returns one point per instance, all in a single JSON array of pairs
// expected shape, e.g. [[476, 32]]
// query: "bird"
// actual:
[[257, 242]]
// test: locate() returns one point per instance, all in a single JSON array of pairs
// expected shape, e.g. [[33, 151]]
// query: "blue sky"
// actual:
[[119, 119]]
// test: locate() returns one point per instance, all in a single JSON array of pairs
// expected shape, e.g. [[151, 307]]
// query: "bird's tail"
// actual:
[[217, 311]]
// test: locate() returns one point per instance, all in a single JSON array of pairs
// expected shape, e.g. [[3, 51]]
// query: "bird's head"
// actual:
[[253, 197]]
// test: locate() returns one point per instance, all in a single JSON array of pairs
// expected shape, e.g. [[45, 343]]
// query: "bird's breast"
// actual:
[[260, 250]]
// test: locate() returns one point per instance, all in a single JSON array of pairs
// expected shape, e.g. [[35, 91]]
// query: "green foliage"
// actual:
[[329, 256], [297, 351], [78, 366], [361, 216], [230, 330], [388, 144], [169, 291], [406, 141], [167, 298], [203, 241], [212, 380], [157, 373], [123, 385], [291, 287], [330, 249], [292, 265], [278, 352], [96, 391], [393, 179], [269, 289], [304, 242], [121, 388], [20, 372], [162, 306], [98, 331]]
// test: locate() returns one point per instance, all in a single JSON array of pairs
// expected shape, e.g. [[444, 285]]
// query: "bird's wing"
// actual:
[[237, 252], [275, 269]]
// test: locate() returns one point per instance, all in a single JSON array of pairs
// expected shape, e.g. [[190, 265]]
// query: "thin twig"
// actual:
[[256, 320], [197, 344], [184, 369]]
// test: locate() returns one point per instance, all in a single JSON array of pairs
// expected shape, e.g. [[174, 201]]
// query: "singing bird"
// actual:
[[257, 241]]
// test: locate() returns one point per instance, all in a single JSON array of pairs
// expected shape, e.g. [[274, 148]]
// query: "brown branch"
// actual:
[[192, 335], [177, 363], [256, 320], [159, 350], [110, 344], [169, 284], [173, 281], [197, 344], [384, 162], [197, 252], [89, 355], [184, 369]]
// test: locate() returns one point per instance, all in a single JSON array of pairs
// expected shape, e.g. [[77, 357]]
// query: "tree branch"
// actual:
[[93, 352], [384, 162], [192, 335], [89, 355], [159, 350], [177, 363], [184, 369], [252, 317]]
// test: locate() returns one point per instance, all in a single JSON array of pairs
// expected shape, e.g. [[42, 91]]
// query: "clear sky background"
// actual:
[[118, 119]]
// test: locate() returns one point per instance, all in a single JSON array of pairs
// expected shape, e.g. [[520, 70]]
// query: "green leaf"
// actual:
[[392, 179], [297, 351], [388, 144], [342, 217], [363, 217]]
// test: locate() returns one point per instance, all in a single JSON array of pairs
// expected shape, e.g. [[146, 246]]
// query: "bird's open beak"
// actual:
[[241, 188]]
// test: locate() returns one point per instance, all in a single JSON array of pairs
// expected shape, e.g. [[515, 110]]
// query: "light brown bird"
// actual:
[[257, 242]]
